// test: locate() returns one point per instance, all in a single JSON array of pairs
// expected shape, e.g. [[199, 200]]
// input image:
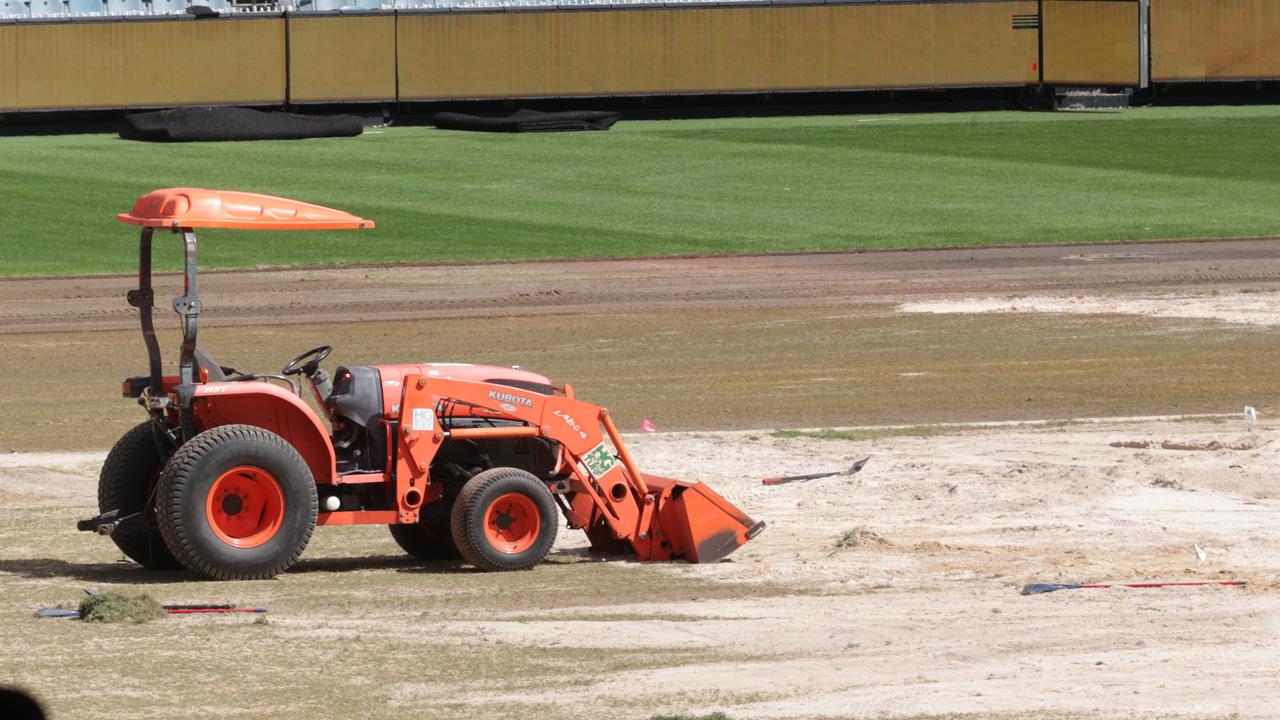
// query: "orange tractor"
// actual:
[[232, 471]]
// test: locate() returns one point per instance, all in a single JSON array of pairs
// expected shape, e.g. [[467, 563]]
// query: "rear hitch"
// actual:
[[108, 522]]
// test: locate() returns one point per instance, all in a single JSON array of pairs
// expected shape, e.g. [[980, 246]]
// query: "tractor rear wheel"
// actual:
[[237, 502], [504, 519], [127, 480], [428, 539]]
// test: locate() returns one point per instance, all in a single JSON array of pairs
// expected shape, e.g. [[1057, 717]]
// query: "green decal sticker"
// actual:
[[599, 461]]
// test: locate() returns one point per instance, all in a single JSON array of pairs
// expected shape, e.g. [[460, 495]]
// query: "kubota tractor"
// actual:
[[231, 471]]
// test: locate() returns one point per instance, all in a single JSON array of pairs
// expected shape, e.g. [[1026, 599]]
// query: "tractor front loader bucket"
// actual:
[[661, 518], [692, 521]]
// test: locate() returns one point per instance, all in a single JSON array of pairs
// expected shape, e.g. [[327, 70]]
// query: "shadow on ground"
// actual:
[[128, 572], [117, 572], [400, 563]]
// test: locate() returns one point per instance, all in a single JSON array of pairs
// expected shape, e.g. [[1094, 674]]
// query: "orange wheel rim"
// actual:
[[245, 506], [512, 523]]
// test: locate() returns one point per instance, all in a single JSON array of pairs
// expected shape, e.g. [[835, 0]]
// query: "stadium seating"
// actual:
[[13, 8], [126, 7], [46, 8], [169, 7], [86, 7]]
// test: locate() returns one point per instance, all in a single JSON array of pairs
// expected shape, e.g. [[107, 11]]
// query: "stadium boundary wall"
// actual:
[[1215, 40], [602, 51]]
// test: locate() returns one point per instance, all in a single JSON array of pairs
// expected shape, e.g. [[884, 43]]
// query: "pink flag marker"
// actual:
[[648, 426]]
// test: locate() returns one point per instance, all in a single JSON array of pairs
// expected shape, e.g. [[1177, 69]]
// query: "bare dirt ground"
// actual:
[[709, 343], [892, 593], [273, 297]]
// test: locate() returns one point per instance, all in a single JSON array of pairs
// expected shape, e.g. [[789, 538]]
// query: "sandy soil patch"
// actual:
[[890, 592], [1261, 307], [920, 613]]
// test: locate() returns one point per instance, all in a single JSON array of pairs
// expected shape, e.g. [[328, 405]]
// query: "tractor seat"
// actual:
[[205, 361], [357, 394], [355, 404]]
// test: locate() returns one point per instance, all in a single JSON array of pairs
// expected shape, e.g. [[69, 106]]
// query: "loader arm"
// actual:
[[602, 491]]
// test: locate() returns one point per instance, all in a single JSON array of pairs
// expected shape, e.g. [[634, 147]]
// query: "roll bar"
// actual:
[[181, 210]]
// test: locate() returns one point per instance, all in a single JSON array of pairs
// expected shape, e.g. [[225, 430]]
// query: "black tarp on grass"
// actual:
[[205, 124], [529, 121]]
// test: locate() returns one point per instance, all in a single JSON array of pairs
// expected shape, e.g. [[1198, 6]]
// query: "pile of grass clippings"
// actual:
[[860, 537], [113, 607]]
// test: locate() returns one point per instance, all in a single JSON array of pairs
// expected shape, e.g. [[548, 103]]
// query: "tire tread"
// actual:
[[468, 536], [176, 477], [131, 460], [415, 541]]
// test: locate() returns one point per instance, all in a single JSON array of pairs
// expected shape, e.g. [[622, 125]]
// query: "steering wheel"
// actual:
[[308, 362]]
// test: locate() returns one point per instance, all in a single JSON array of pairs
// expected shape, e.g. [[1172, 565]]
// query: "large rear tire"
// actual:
[[429, 539], [125, 484], [237, 502], [504, 519]]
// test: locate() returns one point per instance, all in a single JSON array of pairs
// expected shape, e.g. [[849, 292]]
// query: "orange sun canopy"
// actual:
[[197, 207]]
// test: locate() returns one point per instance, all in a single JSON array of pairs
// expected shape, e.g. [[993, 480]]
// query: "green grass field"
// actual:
[[673, 187]]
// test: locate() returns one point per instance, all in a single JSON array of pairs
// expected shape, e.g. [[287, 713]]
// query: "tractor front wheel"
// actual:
[[237, 502], [126, 484], [504, 519], [428, 539]]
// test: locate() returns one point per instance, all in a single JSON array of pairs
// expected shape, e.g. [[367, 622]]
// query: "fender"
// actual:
[[270, 408]]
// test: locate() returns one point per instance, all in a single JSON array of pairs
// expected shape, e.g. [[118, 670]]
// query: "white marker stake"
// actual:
[[1250, 413]]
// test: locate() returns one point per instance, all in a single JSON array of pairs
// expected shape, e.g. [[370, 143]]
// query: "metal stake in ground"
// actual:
[[795, 478], [185, 609], [1039, 588]]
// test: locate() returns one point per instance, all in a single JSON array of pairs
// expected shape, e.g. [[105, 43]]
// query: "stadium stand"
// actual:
[[86, 7], [169, 7], [126, 7], [47, 8]]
